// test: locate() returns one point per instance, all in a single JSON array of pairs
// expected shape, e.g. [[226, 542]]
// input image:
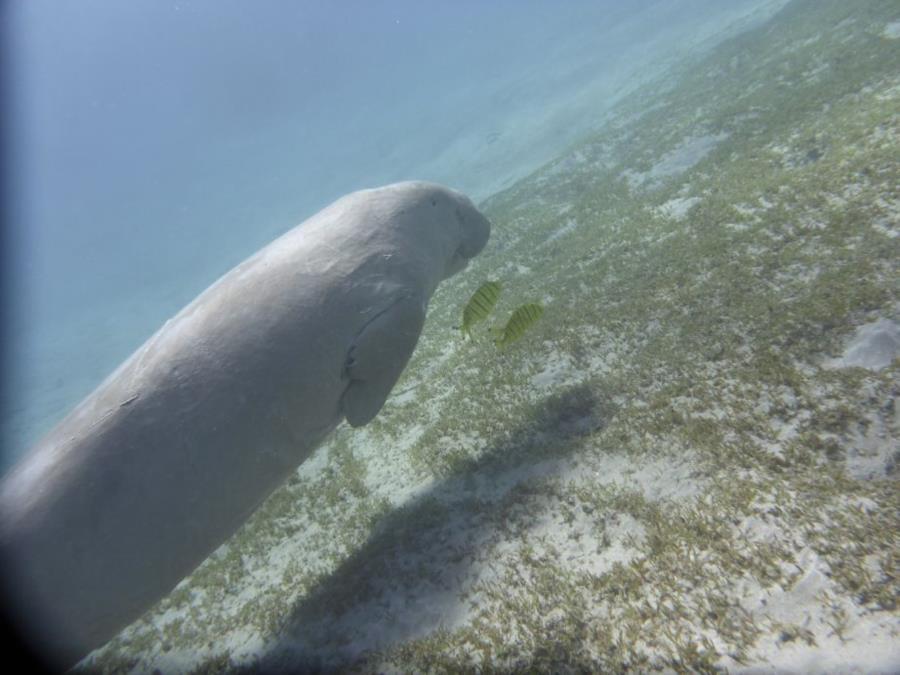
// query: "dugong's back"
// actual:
[[171, 454], [168, 457]]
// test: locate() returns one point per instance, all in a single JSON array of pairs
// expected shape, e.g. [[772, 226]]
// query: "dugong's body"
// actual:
[[172, 453]]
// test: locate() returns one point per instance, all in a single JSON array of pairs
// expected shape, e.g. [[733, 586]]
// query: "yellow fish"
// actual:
[[520, 321], [480, 305]]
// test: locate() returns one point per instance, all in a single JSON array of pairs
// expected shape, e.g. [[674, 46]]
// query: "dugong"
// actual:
[[174, 450]]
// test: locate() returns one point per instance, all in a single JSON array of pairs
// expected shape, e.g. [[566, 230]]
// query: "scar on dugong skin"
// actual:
[[172, 453]]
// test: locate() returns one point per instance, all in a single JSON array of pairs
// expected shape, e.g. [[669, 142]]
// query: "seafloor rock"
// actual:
[[874, 450], [874, 345]]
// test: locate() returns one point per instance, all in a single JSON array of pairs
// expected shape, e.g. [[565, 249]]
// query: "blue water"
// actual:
[[155, 144]]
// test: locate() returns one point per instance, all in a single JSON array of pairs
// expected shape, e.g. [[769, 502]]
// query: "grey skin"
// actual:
[[172, 453]]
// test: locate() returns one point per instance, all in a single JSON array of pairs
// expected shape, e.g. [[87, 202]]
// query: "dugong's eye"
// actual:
[[433, 201]]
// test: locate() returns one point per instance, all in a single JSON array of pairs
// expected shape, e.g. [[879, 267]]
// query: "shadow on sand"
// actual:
[[405, 581]]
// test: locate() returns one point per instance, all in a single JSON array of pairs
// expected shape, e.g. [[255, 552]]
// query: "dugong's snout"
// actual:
[[474, 229], [459, 231]]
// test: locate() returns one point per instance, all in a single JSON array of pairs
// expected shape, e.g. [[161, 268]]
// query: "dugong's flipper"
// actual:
[[378, 356]]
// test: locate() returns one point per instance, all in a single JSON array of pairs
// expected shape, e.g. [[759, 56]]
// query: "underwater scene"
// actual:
[[607, 294]]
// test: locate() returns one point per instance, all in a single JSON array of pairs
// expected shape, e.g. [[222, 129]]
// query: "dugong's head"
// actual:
[[456, 230]]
